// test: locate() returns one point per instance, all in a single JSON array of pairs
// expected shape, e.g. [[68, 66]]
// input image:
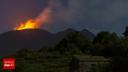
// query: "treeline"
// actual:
[[106, 44]]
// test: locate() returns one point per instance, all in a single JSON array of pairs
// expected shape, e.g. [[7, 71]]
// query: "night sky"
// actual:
[[94, 15]]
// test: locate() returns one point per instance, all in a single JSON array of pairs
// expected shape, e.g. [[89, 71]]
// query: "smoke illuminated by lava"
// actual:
[[53, 13], [36, 23]]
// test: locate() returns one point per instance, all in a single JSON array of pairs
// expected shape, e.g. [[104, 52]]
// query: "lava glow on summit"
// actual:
[[30, 24], [36, 23]]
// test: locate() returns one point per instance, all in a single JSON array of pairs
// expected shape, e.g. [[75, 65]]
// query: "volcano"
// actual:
[[12, 41]]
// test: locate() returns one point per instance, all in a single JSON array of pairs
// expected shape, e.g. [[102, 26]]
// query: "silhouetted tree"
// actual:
[[74, 43], [104, 42], [126, 32], [120, 59]]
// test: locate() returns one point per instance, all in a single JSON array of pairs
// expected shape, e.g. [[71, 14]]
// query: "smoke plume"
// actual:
[[48, 14]]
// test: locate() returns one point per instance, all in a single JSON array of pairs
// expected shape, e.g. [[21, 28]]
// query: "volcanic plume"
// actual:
[[36, 23]]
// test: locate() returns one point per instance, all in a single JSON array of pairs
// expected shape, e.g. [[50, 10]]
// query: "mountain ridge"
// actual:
[[12, 41]]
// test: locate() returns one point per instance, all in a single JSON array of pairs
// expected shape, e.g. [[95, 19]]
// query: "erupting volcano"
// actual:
[[30, 24], [36, 23]]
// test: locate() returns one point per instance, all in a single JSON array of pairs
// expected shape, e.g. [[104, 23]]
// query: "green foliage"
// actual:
[[49, 59], [120, 58], [105, 42], [74, 43]]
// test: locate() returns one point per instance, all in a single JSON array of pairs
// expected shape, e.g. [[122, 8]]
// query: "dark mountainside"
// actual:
[[12, 41]]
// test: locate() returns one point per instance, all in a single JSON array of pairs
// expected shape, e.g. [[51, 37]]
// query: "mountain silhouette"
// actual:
[[12, 41]]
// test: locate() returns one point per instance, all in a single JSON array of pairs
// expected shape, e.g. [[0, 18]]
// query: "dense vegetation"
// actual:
[[56, 59]]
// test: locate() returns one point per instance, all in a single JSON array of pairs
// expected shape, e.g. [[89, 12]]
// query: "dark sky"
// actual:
[[94, 15]]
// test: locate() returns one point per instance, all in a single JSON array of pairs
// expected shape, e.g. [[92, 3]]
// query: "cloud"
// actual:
[[98, 15]]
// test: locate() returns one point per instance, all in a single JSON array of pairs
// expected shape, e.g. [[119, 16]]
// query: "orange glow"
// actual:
[[43, 18], [30, 24]]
